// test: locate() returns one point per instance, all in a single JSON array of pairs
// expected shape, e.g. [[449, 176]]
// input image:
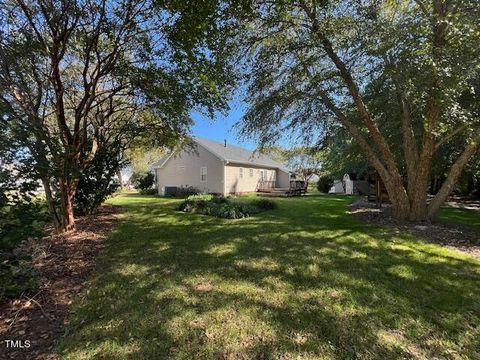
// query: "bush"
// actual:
[[265, 204], [18, 223], [222, 207], [195, 203], [186, 191], [324, 184], [151, 191], [92, 192], [98, 181], [142, 181], [198, 197]]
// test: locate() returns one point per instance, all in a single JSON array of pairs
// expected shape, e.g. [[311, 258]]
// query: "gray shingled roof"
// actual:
[[234, 154], [237, 154]]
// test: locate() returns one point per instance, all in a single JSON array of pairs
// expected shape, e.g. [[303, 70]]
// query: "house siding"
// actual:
[[283, 179], [183, 170], [235, 185]]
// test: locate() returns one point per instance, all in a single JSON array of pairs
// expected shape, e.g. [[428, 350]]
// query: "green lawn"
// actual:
[[305, 281], [465, 217]]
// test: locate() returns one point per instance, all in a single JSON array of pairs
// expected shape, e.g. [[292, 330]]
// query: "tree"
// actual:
[[304, 161], [314, 64], [76, 74], [341, 155], [97, 181], [143, 181]]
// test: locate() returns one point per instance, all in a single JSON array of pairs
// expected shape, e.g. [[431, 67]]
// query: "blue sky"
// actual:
[[221, 126]]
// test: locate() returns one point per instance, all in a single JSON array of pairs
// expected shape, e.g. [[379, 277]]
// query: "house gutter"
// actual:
[[225, 163]]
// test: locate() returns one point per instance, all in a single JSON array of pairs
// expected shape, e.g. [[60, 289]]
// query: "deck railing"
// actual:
[[264, 185]]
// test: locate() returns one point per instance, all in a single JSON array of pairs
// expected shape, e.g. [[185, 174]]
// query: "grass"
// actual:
[[466, 217], [304, 281]]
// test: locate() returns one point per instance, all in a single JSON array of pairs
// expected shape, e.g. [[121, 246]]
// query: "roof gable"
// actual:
[[233, 154], [237, 154]]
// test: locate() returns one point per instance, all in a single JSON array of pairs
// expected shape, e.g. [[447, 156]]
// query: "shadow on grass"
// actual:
[[303, 280]]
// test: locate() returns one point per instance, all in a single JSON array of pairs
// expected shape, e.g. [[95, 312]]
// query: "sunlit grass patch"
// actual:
[[304, 281]]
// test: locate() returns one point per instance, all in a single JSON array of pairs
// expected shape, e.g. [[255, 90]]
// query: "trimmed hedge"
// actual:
[[222, 207]]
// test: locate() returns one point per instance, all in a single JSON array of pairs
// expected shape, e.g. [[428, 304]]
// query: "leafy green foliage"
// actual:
[[98, 181], [399, 76], [184, 191], [222, 207], [303, 160], [77, 76], [324, 184], [18, 223], [142, 181], [264, 204], [151, 191], [22, 216]]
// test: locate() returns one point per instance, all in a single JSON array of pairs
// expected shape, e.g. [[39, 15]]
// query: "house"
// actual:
[[219, 168]]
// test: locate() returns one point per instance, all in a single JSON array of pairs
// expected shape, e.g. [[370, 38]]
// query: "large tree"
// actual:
[[304, 161], [319, 63], [76, 75]]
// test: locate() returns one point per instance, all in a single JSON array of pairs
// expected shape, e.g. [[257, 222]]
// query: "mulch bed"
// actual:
[[63, 263], [451, 236]]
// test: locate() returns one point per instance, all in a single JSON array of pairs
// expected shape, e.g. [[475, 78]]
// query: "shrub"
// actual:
[[187, 191], [232, 211], [324, 184], [18, 223], [151, 191], [220, 200], [182, 192], [92, 192], [142, 181], [265, 204], [98, 181], [222, 207], [200, 197], [196, 204]]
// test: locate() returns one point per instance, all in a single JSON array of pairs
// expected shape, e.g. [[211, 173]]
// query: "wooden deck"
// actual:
[[297, 188]]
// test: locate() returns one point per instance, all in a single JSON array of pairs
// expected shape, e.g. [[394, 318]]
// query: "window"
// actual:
[[241, 173], [203, 174], [262, 175], [251, 172]]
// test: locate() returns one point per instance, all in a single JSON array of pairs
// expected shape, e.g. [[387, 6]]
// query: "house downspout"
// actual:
[[225, 162]]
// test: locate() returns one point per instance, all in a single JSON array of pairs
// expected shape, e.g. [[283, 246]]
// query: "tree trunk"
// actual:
[[398, 197], [452, 177], [419, 193], [120, 180], [67, 192], [51, 203], [418, 210]]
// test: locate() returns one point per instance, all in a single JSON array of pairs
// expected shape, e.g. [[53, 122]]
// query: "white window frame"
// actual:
[[203, 172], [250, 171], [241, 172]]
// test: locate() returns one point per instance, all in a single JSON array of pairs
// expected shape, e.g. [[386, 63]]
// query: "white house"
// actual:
[[220, 168]]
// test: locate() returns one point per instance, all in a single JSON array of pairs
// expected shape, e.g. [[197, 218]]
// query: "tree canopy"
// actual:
[[393, 74], [78, 75]]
